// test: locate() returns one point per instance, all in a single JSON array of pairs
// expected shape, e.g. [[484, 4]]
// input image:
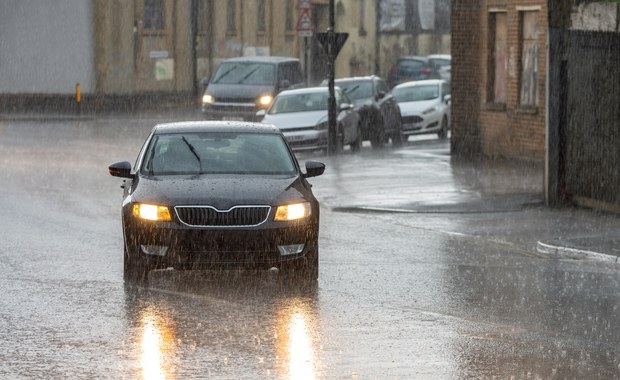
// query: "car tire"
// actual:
[[398, 138], [377, 137], [135, 267], [305, 268], [356, 145], [443, 132]]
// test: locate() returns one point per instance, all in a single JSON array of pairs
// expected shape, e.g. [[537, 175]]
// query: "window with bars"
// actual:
[[260, 14], [498, 58], [528, 21], [231, 14], [154, 14]]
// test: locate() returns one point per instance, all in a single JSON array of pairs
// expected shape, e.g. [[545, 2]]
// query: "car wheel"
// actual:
[[305, 268], [377, 137], [398, 138], [356, 145], [443, 132], [135, 266]]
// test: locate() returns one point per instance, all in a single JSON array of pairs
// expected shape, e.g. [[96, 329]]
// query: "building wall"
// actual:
[[46, 47], [506, 128]]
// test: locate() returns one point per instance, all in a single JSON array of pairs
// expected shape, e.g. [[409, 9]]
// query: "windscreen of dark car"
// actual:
[[218, 153], [415, 93], [252, 73], [357, 89]]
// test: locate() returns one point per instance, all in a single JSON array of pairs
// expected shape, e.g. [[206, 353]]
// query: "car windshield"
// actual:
[[287, 103], [357, 89], [218, 153], [415, 93], [244, 73]]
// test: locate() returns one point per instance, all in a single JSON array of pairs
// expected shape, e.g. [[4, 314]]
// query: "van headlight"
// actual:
[[265, 100], [293, 212], [207, 99], [151, 212]]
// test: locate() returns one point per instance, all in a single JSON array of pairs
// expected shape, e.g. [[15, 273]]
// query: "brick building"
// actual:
[[499, 78]]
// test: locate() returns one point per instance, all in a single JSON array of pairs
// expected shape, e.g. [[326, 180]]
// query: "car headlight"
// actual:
[[151, 212], [322, 126], [429, 110], [265, 100], [208, 99], [293, 211]]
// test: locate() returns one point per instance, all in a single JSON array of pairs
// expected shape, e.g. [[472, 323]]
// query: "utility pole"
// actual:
[[332, 143]]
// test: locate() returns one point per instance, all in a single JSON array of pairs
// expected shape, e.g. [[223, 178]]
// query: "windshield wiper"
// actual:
[[218, 79], [352, 89], [193, 150], [246, 76]]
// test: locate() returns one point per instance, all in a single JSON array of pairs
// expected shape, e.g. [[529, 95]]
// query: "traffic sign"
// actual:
[[305, 26], [338, 40]]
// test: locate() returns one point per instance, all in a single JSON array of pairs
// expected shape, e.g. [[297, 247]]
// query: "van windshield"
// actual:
[[245, 73]]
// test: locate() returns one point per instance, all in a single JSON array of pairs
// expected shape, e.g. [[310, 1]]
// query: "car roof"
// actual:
[[420, 83], [413, 58], [266, 59], [215, 126], [360, 78], [440, 56], [305, 90]]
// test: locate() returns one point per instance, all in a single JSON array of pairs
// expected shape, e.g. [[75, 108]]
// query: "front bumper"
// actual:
[[170, 244], [306, 139], [412, 125], [230, 111]]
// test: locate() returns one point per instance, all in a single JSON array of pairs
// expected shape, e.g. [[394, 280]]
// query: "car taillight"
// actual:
[[425, 71]]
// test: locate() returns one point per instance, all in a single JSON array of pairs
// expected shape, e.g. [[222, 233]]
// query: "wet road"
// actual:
[[447, 291]]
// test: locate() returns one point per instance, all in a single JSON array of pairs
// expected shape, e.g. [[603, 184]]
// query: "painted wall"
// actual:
[[46, 46]]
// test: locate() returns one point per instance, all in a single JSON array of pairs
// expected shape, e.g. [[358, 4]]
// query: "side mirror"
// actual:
[[261, 113], [345, 106], [447, 98], [314, 168], [380, 95], [284, 84], [120, 169], [205, 81]]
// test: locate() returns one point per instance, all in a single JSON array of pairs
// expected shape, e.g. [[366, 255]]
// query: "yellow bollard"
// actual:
[[78, 93]]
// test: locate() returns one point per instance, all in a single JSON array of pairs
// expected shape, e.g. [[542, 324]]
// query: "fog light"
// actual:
[[155, 250], [290, 249]]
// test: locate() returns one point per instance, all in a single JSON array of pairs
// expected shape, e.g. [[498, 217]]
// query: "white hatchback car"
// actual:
[[424, 107]]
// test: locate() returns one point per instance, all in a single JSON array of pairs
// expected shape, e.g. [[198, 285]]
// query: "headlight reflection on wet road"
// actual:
[[157, 344], [295, 342]]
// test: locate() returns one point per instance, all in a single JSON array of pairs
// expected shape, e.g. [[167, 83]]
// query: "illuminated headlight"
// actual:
[[207, 99], [151, 212], [265, 100], [293, 212]]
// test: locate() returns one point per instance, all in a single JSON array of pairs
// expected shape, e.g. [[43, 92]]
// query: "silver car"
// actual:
[[301, 115], [424, 107]]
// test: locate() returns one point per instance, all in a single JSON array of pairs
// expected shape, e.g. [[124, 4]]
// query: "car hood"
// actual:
[[291, 120], [238, 91], [220, 191], [416, 108]]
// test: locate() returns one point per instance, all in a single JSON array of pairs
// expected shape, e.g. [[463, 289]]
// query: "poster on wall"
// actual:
[[393, 16], [164, 69]]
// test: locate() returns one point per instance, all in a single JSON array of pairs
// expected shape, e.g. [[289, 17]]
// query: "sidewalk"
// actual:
[[422, 178]]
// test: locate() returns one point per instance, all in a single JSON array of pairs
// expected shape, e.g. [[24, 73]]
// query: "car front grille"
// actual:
[[207, 216], [411, 119]]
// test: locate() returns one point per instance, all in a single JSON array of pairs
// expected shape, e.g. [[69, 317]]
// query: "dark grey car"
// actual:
[[241, 86], [378, 110]]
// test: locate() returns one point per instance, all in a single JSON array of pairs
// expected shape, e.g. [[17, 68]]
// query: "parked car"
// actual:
[[211, 194], [412, 68], [243, 85], [424, 106], [442, 64], [376, 106], [408, 69], [301, 115]]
